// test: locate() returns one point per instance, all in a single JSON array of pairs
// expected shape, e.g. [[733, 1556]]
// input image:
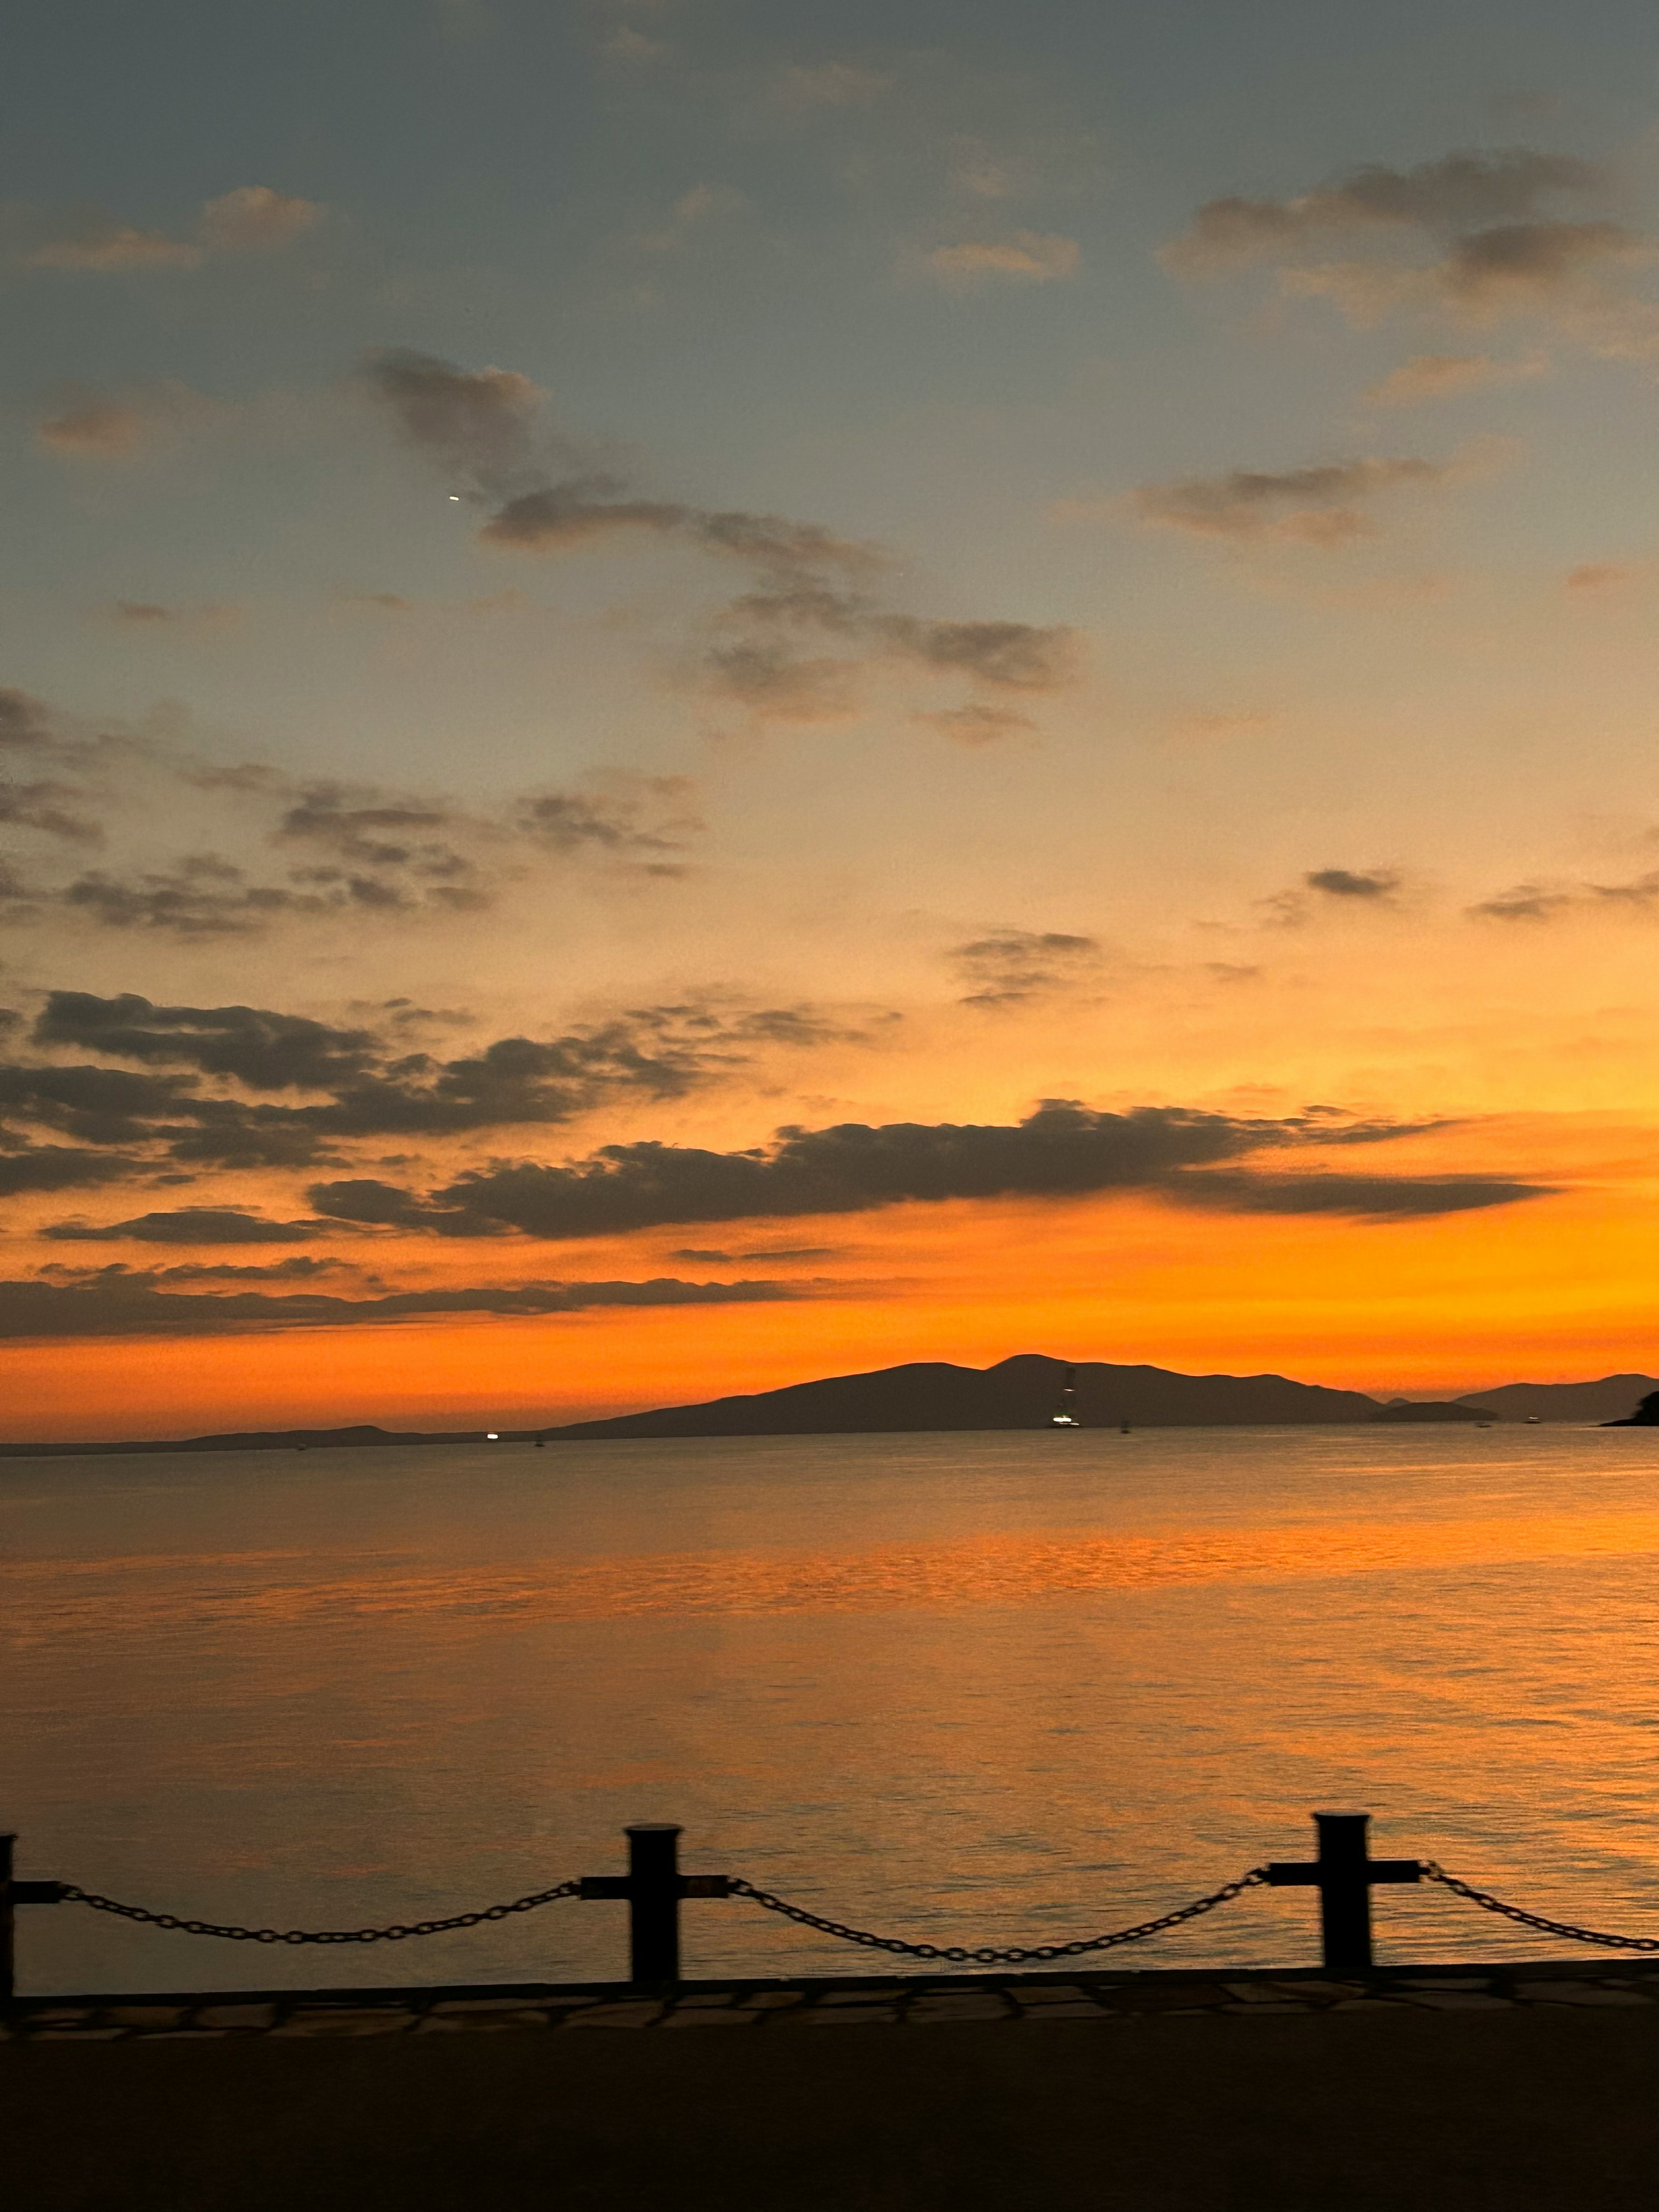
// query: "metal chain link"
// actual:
[[72, 1895], [1488, 1903], [955, 1953], [1016, 1955]]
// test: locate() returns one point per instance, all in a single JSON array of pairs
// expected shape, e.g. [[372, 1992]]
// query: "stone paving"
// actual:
[[918, 2002]]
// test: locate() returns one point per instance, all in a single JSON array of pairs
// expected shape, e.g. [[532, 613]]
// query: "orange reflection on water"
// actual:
[[60, 1597]]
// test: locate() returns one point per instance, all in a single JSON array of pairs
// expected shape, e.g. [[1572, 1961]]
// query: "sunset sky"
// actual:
[[699, 694]]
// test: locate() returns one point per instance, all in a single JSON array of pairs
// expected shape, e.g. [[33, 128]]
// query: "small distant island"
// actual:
[[1019, 1393]]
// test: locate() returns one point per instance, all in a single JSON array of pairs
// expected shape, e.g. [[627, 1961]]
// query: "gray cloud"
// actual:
[[117, 1303], [1460, 192], [373, 1087], [1061, 1151], [647, 818], [294, 1270], [96, 429], [479, 424], [545, 499], [344, 848], [1322, 504], [1013, 967], [59, 1167], [1366, 1198], [1376, 883], [191, 1224], [23, 720], [40, 805], [251, 219], [1526, 264], [151, 614], [1008, 655], [1476, 235], [201, 896], [1560, 901], [977, 726], [267, 1051]]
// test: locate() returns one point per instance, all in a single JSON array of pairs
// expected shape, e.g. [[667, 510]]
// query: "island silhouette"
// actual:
[[1017, 1393]]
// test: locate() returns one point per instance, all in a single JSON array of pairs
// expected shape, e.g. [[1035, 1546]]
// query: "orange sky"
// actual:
[[884, 711]]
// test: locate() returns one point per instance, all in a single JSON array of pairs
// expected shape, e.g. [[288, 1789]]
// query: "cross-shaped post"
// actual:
[[1343, 1872], [14, 1893], [653, 1887]]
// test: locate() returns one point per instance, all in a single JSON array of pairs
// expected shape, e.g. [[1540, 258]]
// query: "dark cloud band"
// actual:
[[1062, 1150], [120, 1303]]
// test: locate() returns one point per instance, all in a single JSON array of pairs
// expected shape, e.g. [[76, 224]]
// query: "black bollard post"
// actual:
[[1344, 1895], [1343, 1873], [653, 1887], [654, 1902], [8, 1923]]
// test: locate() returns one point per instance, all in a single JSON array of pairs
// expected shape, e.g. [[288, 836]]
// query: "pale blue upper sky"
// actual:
[[901, 274]]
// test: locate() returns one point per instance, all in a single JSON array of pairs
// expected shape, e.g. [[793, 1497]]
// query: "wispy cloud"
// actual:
[[1462, 194], [1560, 901], [306, 850], [690, 215], [121, 1302], [101, 430], [1019, 967], [977, 726], [1477, 237], [1026, 257], [127, 425], [152, 614], [253, 219], [1324, 504], [1429, 376], [806, 587]]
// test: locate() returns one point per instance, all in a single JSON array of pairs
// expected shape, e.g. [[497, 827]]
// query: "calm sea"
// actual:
[[978, 1689]]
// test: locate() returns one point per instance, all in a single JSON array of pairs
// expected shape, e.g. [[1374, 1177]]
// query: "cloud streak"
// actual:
[[1475, 236], [119, 1302], [807, 588], [1546, 903], [1029, 257], [1461, 193], [253, 219], [1062, 1150], [337, 848], [1019, 967], [159, 1111], [1321, 504]]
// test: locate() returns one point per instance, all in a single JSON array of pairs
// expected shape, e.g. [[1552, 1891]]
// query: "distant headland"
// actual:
[[1020, 1392]]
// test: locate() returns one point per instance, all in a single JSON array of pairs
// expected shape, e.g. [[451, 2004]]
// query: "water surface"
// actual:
[[983, 1689]]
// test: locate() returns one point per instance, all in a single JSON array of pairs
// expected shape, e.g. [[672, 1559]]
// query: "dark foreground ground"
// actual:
[[1468, 2088]]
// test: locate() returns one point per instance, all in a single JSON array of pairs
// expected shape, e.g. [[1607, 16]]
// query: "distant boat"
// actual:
[[1064, 1413]]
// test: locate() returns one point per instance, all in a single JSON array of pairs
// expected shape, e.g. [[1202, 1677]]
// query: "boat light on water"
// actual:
[[1064, 1413]]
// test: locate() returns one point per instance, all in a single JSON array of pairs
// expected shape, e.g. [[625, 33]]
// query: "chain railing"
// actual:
[[68, 1894], [1574, 1934], [654, 1888], [1016, 1955]]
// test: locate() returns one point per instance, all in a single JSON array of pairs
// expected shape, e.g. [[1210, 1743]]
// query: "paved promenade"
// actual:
[[917, 2002], [1445, 2089]]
